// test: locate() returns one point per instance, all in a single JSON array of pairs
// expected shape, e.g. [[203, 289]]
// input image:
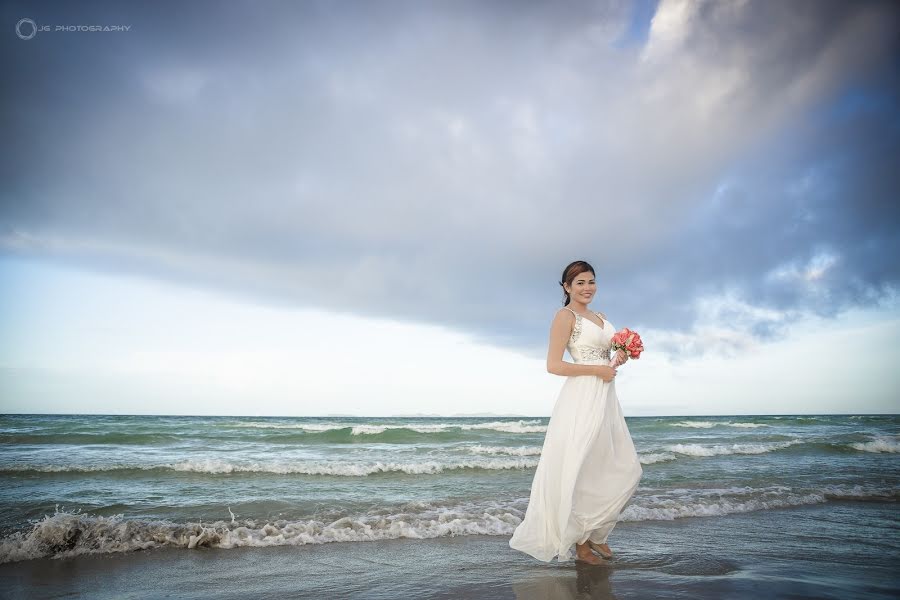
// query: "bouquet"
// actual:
[[626, 340]]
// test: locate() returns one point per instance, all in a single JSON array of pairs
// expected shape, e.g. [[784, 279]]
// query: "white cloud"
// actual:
[[183, 351], [669, 28], [80, 342]]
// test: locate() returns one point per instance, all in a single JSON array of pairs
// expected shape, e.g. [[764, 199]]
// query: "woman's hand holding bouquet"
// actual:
[[625, 344]]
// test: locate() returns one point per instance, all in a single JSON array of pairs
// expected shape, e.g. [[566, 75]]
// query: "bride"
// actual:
[[588, 469]]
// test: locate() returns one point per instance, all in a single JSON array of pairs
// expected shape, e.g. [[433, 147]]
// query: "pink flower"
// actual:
[[629, 341]]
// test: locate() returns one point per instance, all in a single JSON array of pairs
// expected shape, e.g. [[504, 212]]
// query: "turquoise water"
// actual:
[[74, 484]]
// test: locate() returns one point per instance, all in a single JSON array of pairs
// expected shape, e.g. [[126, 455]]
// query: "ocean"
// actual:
[[100, 485]]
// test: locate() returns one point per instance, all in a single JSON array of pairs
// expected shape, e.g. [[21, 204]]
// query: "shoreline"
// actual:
[[753, 554]]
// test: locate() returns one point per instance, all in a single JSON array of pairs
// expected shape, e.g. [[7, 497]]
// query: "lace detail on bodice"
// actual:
[[591, 354], [576, 331], [589, 344]]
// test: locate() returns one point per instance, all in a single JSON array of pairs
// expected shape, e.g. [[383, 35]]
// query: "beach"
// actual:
[[111, 506], [777, 554]]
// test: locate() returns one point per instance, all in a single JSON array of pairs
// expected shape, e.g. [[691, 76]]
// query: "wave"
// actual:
[[511, 450], [878, 443], [285, 433], [725, 449], [304, 426], [518, 426], [717, 503], [699, 451], [67, 534], [672, 452], [656, 457], [84, 439], [312, 467], [487, 457], [710, 424]]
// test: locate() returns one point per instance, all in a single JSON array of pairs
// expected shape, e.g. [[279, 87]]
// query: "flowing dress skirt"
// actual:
[[587, 472]]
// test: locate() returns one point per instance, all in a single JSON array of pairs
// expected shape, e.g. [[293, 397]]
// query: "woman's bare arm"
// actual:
[[560, 330]]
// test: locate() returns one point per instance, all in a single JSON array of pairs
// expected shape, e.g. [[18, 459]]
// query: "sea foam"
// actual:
[[710, 424], [878, 443], [66, 534], [297, 467], [725, 449], [510, 450]]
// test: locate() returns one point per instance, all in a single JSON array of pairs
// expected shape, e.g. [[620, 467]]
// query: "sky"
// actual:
[[365, 208]]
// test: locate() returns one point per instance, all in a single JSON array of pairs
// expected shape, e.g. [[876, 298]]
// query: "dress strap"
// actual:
[[572, 311]]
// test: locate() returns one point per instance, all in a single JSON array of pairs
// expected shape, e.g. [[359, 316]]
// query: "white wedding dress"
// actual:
[[588, 469]]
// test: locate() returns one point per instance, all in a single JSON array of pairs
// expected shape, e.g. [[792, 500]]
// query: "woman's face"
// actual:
[[583, 287]]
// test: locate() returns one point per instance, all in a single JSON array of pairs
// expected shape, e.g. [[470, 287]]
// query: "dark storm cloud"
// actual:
[[444, 161]]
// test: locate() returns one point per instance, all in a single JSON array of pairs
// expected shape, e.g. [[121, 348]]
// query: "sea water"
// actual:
[[75, 484]]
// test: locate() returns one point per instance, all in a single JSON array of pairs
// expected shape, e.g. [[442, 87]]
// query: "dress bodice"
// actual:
[[589, 343]]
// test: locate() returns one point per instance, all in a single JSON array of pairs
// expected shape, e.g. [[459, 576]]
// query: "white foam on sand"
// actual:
[[65, 534], [71, 533]]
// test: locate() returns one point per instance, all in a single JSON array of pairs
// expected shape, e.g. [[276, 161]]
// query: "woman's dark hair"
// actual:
[[571, 272]]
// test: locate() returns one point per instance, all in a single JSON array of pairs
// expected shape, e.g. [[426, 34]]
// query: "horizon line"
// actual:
[[432, 416]]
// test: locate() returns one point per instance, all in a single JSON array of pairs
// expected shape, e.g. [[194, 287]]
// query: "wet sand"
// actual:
[[834, 550]]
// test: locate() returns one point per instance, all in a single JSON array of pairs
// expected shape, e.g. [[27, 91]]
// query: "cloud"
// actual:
[[444, 161]]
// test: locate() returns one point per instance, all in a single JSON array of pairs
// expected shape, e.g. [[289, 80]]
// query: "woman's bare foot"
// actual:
[[584, 554], [603, 549]]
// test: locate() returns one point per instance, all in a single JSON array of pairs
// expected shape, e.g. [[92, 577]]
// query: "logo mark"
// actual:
[[23, 32]]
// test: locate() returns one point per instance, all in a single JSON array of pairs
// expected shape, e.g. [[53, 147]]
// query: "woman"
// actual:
[[588, 469]]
